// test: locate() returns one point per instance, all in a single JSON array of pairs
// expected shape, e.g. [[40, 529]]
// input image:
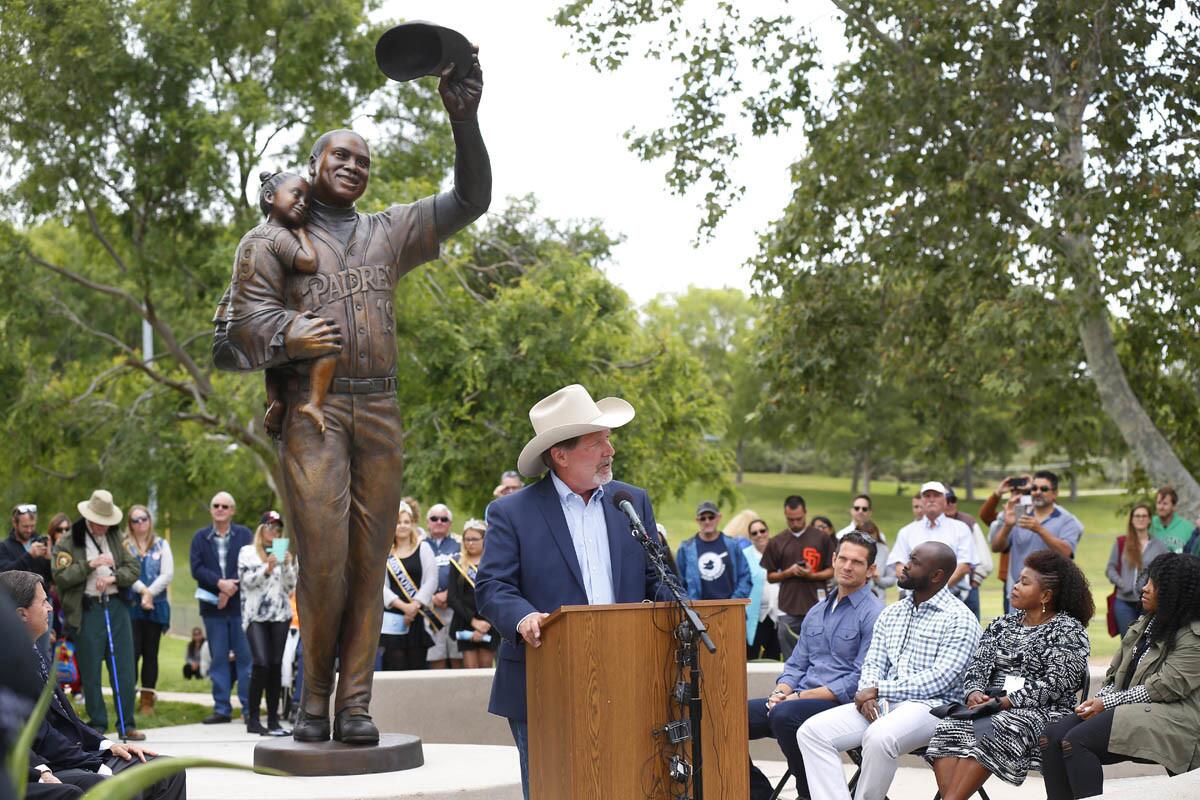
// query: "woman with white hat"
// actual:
[[90, 567]]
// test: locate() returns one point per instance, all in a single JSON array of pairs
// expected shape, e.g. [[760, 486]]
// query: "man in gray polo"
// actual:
[[1022, 530]]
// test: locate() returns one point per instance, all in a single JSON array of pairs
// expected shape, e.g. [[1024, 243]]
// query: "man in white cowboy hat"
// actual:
[[560, 541], [90, 568]]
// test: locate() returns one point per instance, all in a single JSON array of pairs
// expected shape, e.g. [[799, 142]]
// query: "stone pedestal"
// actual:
[[395, 752]]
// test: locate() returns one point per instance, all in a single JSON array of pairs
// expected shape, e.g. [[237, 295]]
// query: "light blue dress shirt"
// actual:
[[589, 534]]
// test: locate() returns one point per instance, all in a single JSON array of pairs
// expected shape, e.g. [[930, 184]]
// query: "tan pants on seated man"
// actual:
[[824, 737]]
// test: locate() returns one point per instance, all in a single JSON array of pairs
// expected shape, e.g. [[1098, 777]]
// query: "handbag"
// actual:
[[960, 711], [1111, 616]]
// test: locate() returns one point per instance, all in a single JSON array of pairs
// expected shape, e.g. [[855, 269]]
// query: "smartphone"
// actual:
[[1017, 483], [1027, 505]]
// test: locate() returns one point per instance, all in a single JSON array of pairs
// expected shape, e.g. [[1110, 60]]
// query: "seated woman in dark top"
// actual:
[[1149, 707], [476, 639], [1034, 660]]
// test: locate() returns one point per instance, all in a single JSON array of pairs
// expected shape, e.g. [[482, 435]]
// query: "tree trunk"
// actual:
[[1073, 477], [1145, 441], [1141, 435], [968, 476], [855, 476], [866, 473], [741, 457]]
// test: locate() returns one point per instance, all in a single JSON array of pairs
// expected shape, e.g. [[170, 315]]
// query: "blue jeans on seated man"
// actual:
[[225, 634], [520, 732], [781, 724]]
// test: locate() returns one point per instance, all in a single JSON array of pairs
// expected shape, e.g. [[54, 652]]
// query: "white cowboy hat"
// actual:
[[99, 508], [568, 413]]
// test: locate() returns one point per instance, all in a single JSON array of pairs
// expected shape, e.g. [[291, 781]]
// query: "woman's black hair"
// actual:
[[269, 183], [1070, 591], [1176, 577], [826, 520]]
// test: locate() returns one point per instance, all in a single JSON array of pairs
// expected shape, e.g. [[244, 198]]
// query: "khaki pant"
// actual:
[[342, 492]]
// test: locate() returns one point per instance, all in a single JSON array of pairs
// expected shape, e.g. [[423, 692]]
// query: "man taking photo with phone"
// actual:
[[1033, 521]]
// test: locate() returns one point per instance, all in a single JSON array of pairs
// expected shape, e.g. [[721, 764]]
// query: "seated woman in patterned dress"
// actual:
[[1034, 659], [1149, 707]]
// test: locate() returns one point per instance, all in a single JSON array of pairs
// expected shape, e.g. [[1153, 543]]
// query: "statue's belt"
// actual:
[[349, 385]]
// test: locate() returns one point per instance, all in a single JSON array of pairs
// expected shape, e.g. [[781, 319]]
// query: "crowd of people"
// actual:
[[919, 674], [889, 679]]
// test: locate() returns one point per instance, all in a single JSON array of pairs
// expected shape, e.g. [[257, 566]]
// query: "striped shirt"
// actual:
[[921, 652]]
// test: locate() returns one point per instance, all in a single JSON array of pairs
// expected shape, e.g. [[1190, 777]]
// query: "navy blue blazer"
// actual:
[[206, 567], [529, 564], [63, 741]]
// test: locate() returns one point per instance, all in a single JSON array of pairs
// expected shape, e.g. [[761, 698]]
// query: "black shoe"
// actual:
[[275, 729], [254, 726], [215, 719], [310, 728], [98, 727], [355, 728]]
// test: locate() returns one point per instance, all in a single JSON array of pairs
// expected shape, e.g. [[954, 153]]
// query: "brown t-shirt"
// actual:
[[797, 595]]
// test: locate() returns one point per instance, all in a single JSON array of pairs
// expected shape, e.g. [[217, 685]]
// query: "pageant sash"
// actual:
[[409, 589], [468, 572]]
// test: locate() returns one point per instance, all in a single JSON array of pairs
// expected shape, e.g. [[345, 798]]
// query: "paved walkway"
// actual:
[[450, 772]]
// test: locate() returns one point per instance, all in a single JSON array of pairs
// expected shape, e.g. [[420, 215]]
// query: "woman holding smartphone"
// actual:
[[267, 573]]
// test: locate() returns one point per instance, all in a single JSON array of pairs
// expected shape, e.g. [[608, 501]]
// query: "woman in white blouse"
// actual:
[[267, 575]]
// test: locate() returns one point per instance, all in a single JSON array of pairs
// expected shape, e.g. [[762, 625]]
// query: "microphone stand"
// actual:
[[689, 630]]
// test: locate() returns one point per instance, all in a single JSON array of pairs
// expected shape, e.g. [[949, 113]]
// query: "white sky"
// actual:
[[554, 128]]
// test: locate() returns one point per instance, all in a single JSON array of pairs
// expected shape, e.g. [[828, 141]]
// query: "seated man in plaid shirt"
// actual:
[[919, 650]]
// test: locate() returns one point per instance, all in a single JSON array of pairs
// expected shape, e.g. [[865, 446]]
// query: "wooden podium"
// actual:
[[600, 685]]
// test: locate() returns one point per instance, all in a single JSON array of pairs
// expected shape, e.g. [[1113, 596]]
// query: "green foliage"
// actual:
[[986, 182], [521, 310], [130, 135]]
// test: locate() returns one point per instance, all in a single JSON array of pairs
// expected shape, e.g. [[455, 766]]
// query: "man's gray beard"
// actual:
[[601, 480]]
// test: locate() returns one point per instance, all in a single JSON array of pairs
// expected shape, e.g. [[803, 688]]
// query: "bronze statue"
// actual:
[[342, 485]]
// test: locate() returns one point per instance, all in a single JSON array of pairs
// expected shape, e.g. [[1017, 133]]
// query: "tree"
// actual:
[[719, 326], [521, 310], [990, 146], [130, 133]]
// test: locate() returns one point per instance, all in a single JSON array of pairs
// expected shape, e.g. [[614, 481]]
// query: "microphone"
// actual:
[[624, 501]]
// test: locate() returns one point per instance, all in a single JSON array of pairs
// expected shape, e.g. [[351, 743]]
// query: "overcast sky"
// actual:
[[554, 128]]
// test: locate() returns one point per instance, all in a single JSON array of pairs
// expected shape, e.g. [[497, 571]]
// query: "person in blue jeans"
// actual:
[[712, 565], [823, 670], [214, 557]]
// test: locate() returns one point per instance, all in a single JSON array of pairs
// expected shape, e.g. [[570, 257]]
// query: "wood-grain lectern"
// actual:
[[602, 683]]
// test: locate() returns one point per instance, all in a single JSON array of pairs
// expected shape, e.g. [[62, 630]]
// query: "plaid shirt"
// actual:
[[921, 652]]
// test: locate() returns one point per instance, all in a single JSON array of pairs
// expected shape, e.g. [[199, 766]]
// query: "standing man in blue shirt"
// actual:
[[823, 669], [214, 557], [712, 565]]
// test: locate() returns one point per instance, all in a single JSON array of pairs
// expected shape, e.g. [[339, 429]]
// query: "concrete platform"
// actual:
[[450, 772]]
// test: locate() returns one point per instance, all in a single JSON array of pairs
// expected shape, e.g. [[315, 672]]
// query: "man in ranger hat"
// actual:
[[560, 541], [90, 569]]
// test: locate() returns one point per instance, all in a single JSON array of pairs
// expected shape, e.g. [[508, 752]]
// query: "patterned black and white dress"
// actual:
[[1052, 660]]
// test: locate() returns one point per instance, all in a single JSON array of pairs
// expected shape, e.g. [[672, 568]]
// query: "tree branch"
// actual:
[[868, 25]]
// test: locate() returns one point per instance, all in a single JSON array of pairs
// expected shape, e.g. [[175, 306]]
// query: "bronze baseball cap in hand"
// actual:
[[414, 49]]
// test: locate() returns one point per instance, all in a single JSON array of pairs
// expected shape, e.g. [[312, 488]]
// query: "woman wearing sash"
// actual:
[[409, 583], [475, 637]]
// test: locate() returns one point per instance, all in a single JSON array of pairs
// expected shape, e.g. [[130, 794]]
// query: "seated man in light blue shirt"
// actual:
[[823, 670]]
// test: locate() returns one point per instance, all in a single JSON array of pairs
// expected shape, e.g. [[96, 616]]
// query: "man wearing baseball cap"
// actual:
[[712, 565], [560, 541], [934, 526]]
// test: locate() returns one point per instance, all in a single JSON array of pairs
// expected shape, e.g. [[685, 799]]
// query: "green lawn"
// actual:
[[1101, 516], [165, 713]]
